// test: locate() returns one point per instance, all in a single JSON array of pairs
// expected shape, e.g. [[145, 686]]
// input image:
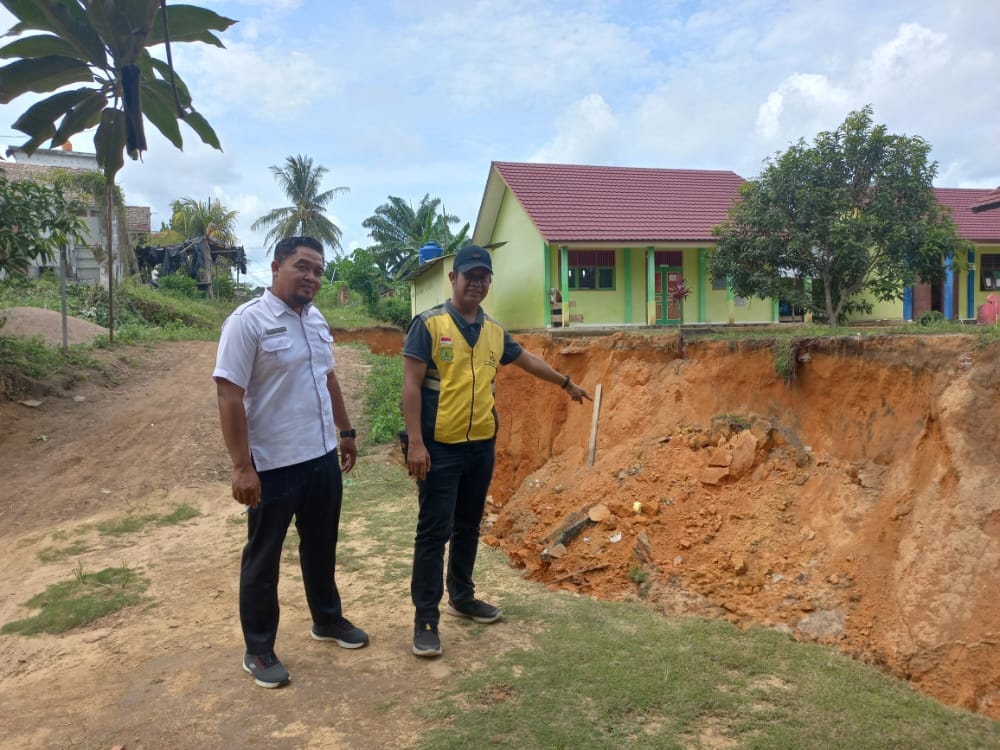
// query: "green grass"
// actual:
[[382, 398], [52, 554], [81, 600], [133, 523], [350, 316], [33, 358], [610, 675]]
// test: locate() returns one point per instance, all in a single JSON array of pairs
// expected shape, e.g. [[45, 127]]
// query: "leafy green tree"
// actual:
[[855, 212], [36, 220], [357, 270], [192, 218], [400, 231], [103, 45], [301, 182]]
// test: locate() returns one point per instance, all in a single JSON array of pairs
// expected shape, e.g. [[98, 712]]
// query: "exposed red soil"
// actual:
[[862, 512], [378, 339]]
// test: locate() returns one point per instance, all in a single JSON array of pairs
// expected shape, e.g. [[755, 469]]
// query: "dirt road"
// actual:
[[167, 674]]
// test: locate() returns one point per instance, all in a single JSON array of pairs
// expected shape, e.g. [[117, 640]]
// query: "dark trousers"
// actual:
[[452, 499], [312, 492]]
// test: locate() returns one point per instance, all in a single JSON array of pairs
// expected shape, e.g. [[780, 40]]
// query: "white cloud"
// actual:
[[588, 132], [266, 82], [807, 99], [914, 53]]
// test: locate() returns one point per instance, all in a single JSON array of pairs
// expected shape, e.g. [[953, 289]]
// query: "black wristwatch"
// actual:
[[352, 433]]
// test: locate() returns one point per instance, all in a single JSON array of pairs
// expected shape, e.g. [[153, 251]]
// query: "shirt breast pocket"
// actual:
[[322, 345], [276, 349]]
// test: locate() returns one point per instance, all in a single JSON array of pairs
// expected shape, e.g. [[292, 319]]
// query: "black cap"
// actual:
[[472, 256]]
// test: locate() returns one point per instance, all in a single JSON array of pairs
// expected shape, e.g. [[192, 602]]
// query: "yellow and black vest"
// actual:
[[461, 377]]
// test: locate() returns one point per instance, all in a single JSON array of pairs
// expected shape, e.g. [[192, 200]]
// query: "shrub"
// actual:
[[180, 284], [393, 310]]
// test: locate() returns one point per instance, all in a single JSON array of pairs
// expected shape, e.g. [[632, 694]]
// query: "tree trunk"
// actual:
[[206, 257], [109, 198], [62, 298], [831, 314]]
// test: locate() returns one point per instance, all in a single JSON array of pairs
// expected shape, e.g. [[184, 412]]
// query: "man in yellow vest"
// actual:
[[450, 359]]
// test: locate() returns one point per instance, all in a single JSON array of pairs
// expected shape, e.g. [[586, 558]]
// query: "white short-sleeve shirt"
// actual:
[[281, 360]]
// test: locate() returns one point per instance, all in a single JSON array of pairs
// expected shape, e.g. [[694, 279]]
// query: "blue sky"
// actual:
[[400, 98]]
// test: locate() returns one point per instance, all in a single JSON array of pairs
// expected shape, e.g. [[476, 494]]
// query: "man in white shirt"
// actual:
[[280, 406]]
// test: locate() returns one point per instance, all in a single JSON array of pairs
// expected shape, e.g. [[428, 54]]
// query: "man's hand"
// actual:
[[577, 392], [418, 460], [246, 486], [348, 453]]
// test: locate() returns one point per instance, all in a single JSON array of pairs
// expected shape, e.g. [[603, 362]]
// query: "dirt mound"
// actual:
[[856, 507], [35, 321]]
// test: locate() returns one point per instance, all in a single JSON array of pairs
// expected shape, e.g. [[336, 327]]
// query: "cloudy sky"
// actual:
[[399, 98]]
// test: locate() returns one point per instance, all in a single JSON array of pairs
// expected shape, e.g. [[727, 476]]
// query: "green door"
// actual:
[[669, 309]]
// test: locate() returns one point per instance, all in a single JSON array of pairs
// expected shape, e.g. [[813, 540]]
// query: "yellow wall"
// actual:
[[978, 296], [431, 288], [891, 310], [518, 295]]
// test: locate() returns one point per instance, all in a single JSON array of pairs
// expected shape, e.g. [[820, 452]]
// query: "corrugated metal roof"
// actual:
[[575, 203]]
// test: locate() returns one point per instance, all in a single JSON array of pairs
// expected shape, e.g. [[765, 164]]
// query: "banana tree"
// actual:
[[104, 46]]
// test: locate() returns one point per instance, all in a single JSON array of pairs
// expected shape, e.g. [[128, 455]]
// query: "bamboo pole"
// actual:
[[593, 426]]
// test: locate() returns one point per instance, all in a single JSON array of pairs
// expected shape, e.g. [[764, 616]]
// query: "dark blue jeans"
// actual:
[[452, 499], [312, 492]]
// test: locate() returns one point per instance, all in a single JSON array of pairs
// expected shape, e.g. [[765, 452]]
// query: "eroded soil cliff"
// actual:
[[856, 506]]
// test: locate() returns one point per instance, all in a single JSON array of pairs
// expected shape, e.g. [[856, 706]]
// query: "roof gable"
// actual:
[[991, 201], [577, 203]]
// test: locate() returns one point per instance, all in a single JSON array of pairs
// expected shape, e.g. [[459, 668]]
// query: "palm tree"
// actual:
[[104, 47], [192, 218], [400, 231], [300, 181]]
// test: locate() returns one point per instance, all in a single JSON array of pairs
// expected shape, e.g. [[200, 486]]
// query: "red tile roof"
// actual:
[[574, 203], [992, 200], [977, 227], [138, 218]]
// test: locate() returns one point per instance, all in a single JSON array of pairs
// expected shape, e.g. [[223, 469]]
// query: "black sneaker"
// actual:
[[266, 670], [475, 609], [343, 632], [426, 641]]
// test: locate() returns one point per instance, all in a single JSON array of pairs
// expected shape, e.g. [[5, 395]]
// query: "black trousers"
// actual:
[[452, 499], [312, 492]]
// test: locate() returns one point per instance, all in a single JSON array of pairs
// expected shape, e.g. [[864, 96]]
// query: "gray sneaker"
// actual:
[[474, 609], [343, 632], [426, 641], [266, 670]]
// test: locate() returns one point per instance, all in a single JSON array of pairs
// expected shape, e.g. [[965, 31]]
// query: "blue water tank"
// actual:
[[430, 251]]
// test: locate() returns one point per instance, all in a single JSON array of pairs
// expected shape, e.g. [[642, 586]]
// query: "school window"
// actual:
[[720, 282], [989, 277], [591, 269]]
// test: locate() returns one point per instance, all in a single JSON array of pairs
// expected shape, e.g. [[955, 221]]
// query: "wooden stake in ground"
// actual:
[[593, 426]]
